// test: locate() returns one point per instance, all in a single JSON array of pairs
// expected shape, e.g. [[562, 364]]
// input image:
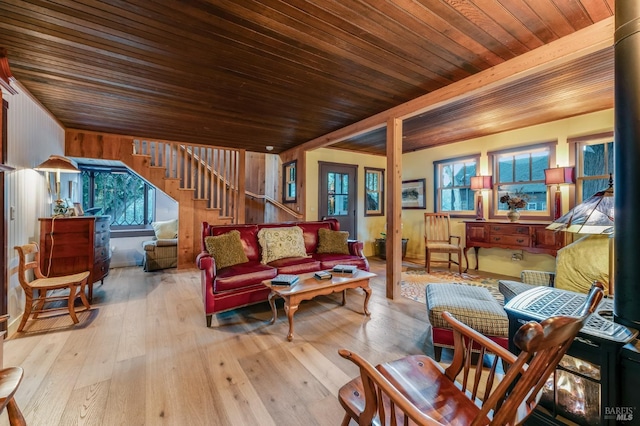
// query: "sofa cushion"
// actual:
[[329, 260], [165, 229], [278, 243], [332, 241], [296, 265], [242, 275], [248, 236], [310, 232], [226, 249]]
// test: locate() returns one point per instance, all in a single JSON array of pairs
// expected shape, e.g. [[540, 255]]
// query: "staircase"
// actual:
[[206, 181]]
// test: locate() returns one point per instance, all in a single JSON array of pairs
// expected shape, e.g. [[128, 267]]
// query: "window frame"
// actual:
[[288, 182], [494, 203], [576, 146], [380, 191], [437, 189], [121, 230]]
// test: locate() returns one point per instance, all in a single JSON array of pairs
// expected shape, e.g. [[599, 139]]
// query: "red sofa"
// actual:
[[241, 285]]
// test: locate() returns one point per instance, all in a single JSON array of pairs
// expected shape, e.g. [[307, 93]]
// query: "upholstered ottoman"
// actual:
[[474, 306]]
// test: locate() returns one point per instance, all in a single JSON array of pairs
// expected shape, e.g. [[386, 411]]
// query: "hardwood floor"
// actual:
[[143, 355]]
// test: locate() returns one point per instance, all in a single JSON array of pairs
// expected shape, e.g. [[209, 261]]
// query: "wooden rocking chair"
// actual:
[[416, 390]]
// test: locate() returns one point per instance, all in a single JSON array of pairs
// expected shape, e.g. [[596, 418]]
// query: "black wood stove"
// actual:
[[586, 388]]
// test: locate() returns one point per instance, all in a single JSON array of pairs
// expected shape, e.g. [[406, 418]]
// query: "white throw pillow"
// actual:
[[279, 243], [166, 230]]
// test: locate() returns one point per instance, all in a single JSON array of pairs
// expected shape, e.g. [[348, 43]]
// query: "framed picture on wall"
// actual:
[[414, 194]]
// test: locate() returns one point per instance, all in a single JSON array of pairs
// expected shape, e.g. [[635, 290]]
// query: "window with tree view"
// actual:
[[595, 162], [453, 184], [521, 174], [128, 199]]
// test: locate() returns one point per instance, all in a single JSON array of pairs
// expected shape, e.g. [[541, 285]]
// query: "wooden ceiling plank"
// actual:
[[530, 19], [552, 17], [510, 23], [591, 39], [318, 39], [372, 20], [502, 39], [464, 46]]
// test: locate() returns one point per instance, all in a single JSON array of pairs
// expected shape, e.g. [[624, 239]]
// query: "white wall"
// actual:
[[33, 134]]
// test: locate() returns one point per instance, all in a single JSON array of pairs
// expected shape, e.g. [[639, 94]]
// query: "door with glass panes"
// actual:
[[338, 195]]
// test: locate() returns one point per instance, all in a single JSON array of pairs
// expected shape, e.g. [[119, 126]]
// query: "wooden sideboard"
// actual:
[[533, 237], [75, 244]]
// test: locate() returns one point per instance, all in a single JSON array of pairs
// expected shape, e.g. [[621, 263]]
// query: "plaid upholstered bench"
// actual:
[[474, 306]]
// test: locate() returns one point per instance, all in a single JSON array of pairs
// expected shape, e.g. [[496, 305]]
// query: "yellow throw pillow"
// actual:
[[166, 230], [332, 241], [582, 262], [226, 249], [279, 243]]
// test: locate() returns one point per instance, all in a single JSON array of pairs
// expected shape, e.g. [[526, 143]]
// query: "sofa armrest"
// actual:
[[356, 247], [206, 262], [540, 278]]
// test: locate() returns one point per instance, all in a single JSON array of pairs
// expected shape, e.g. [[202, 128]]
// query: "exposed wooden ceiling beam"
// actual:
[[591, 39]]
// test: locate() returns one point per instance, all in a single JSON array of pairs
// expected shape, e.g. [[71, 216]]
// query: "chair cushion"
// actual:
[[166, 229], [443, 246], [332, 241], [278, 243], [511, 289], [226, 249], [474, 306]]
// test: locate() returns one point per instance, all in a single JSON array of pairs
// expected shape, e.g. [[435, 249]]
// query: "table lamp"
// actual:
[[480, 183], [58, 164], [592, 216], [558, 176]]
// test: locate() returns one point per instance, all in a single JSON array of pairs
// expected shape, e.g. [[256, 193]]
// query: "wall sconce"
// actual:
[[478, 184], [58, 164], [559, 176]]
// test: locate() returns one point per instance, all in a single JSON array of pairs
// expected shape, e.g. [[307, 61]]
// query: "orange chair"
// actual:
[[76, 284], [417, 389], [438, 239]]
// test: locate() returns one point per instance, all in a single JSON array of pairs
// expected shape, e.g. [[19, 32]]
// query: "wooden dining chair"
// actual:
[[438, 239], [10, 379], [29, 260], [418, 389]]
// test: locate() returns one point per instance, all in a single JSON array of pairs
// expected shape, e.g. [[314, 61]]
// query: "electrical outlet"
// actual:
[[516, 257]]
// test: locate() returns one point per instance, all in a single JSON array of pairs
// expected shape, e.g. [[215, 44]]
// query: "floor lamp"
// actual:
[[558, 176], [479, 184], [593, 216]]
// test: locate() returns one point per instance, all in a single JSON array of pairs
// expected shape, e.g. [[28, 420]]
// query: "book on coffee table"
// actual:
[[284, 279], [345, 269]]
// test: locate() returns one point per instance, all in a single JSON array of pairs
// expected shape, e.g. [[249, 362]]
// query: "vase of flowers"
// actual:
[[515, 202]]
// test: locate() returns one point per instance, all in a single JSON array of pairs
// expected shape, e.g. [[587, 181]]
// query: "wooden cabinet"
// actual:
[[75, 244], [529, 236]]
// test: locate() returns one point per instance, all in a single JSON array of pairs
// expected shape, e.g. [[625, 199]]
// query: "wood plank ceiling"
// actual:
[[253, 73]]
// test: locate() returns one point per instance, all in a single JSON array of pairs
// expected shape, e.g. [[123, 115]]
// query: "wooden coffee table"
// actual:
[[308, 287]]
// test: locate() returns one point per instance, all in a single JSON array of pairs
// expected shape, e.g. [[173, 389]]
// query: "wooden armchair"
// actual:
[[416, 389], [29, 255], [438, 239]]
